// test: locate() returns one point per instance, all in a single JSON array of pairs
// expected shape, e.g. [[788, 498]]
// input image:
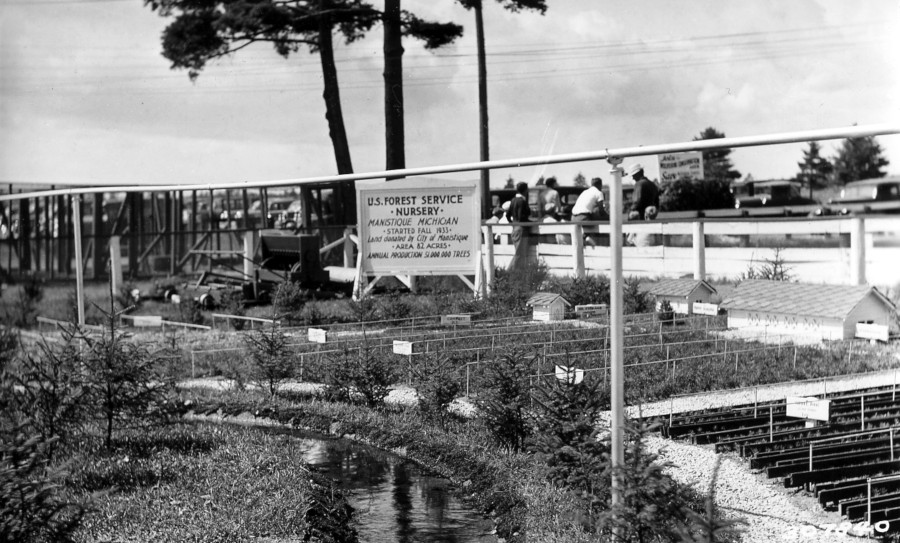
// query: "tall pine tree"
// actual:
[[859, 158], [814, 169], [716, 164]]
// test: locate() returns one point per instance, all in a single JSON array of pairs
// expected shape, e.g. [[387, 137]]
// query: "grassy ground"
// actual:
[[203, 483]]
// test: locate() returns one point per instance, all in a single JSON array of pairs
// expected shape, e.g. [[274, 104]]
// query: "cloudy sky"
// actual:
[[85, 95]]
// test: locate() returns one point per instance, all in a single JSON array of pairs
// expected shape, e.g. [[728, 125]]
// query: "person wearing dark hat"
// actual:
[[519, 212], [645, 196]]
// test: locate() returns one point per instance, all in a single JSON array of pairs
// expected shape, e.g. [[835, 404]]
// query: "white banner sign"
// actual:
[[673, 166], [808, 408], [316, 335], [403, 347], [419, 226], [455, 320], [701, 308], [591, 310], [872, 331]]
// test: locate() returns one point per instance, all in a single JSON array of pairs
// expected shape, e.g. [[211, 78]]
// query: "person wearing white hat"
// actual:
[[645, 196], [644, 204]]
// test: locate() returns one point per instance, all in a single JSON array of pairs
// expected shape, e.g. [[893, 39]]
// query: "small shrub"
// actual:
[[232, 303], [312, 314], [772, 269], [31, 293], [566, 435], [652, 503], [590, 289], [665, 313], [51, 388], [272, 360], [190, 311], [32, 506], [359, 374], [395, 308], [437, 384], [634, 298], [289, 297], [505, 402], [123, 380], [511, 289]]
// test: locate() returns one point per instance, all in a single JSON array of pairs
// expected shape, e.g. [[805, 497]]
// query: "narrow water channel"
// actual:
[[395, 501]]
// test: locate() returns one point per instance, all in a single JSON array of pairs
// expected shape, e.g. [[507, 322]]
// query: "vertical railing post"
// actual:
[[79, 264], [578, 250], [616, 313], [115, 262], [858, 251], [248, 255], [489, 255], [348, 248], [699, 251]]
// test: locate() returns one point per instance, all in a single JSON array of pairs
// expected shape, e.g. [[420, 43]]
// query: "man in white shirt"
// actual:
[[589, 205]]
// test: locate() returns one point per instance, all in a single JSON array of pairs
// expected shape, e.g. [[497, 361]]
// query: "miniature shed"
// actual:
[[548, 306], [821, 311], [682, 294]]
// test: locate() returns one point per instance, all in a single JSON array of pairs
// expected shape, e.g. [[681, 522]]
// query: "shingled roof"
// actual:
[[679, 287], [829, 301], [545, 298]]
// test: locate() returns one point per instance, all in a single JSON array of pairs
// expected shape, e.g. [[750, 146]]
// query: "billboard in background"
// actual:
[[419, 227], [674, 166]]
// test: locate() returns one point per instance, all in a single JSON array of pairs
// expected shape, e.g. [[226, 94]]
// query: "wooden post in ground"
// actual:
[[699, 251], [857, 251], [578, 250]]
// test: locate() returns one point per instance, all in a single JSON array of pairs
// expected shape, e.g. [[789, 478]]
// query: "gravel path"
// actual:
[[772, 513]]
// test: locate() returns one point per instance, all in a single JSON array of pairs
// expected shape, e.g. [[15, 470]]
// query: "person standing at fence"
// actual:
[[590, 207], [644, 205], [519, 212], [551, 215], [550, 195], [645, 199]]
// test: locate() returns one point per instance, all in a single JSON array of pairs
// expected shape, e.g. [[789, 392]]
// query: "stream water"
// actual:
[[395, 501]]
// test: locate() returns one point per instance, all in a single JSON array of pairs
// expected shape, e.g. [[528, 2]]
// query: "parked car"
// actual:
[[773, 193], [881, 195], [780, 197], [277, 206], [292, 217]]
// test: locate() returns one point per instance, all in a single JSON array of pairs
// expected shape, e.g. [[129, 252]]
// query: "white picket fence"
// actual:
[[871, 255]]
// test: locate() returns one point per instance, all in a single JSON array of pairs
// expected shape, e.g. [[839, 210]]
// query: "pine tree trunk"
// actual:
[[485, 154], [393, 87], [332, 95]]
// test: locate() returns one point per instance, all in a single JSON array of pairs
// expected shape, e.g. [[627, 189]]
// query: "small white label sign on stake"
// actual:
[[456, 320], [403, 347], [317, 335], [572, 376], [807, 408]]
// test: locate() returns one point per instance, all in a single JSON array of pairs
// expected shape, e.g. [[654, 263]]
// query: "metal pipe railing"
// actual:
[[606, 153]]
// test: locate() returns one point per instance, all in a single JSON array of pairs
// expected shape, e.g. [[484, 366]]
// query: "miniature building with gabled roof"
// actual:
[[682, 294], [822, 311], [548, 306]]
